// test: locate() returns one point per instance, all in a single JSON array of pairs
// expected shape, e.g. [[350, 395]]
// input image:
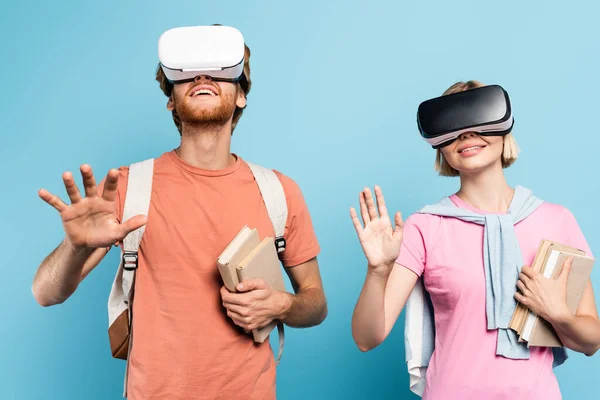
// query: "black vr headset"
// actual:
[[485, 111]]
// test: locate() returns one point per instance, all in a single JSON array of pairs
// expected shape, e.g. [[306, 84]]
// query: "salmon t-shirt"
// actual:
[[184, 345], [448, 253]]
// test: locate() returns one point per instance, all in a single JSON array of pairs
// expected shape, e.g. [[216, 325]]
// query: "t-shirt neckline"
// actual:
[[463, 204], [205, 172]]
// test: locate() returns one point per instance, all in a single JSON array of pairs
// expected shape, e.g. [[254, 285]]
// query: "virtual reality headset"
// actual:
[[187, 52], [485, 111]]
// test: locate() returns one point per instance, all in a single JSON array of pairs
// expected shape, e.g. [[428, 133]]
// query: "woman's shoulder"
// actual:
[[422, 221], [548, 210]]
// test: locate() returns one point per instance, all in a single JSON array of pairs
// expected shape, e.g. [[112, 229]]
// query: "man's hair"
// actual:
[[244, 83], [510, 150]]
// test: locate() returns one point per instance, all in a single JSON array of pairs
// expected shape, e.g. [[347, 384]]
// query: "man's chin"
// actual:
[[207, 123], [206, 117]]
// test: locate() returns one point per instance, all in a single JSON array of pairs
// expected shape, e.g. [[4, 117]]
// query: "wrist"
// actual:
[[284, 304], [562, 318], [380, 271], [78, 250]]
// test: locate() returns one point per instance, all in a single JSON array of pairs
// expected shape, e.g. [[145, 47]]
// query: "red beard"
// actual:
[[193, 113]]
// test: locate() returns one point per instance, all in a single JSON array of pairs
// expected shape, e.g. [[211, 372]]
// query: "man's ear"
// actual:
[[170, 103], [241, 98]]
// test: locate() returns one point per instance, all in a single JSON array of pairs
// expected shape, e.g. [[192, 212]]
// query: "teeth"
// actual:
[[203, 91], [470, 148]]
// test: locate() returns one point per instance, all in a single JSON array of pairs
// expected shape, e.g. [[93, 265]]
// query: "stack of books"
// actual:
[[247, 257], [549, 262]]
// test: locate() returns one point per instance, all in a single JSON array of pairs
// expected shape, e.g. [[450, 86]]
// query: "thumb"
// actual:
[[399, 224], [251, 284], [132, 224], [567, 266]]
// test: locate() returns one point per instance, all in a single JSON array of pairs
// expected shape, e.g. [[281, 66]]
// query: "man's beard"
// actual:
[[204, 117]]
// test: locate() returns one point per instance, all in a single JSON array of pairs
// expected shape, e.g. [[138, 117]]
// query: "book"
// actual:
[[242, 244], [248, 257], [549, 261]]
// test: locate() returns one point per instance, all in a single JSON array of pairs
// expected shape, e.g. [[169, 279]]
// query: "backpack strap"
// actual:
[[274, 197], [137, 201]]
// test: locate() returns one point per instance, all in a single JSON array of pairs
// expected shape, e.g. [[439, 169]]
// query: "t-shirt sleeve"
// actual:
[[301, 240], [413, 251], [573, 235]]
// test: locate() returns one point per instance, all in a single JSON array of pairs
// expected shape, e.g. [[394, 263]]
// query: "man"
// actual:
[[191, 334]]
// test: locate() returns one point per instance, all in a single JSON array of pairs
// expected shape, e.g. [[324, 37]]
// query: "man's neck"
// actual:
[[206, 147], [486, 190]]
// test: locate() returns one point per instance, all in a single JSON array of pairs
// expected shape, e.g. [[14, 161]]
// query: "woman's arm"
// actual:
[[580, 332], [387, 285], [548, 299], [380, 303]]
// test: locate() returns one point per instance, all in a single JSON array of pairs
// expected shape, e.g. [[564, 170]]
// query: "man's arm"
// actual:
[[91, 228], [256, 304], [60, 273], [308, 306]]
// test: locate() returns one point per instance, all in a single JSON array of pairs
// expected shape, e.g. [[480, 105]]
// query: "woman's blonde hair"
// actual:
[[510, 151]]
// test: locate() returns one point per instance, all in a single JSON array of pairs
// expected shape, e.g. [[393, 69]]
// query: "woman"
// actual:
[[474, 356]]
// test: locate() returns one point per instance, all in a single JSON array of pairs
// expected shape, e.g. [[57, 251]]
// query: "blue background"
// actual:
[[336, 86]]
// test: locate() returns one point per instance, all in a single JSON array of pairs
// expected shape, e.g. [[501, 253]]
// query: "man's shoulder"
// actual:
[[290, 187], [124, 170], [157, 161]]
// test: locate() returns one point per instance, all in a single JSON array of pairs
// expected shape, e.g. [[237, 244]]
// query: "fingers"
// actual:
[[568, 265], [525, 279], [238, 318], [399, 223], [109, 192], [51, 199], [71, 187], [364, 213], [132, 224], [232, 299], [355, 221], [251, 284], [528, 271], [520, 298], [224, 292], [89, 182], [523, 288], [370, 204], [380, 202], [246, 323], [235, 309]]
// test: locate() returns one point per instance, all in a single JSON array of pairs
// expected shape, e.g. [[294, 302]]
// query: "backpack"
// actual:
[[137, 201]]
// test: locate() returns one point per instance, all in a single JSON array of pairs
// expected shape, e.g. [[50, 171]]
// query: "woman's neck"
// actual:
[[486, 190]]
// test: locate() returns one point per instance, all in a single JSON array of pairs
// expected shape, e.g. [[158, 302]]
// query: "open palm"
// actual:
[[91, 222], [379, 240]]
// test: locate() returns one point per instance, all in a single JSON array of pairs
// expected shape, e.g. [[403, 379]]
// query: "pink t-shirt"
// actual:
[[448, 252]]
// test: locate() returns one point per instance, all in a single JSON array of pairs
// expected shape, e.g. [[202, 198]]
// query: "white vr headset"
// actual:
[[187, 52]]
